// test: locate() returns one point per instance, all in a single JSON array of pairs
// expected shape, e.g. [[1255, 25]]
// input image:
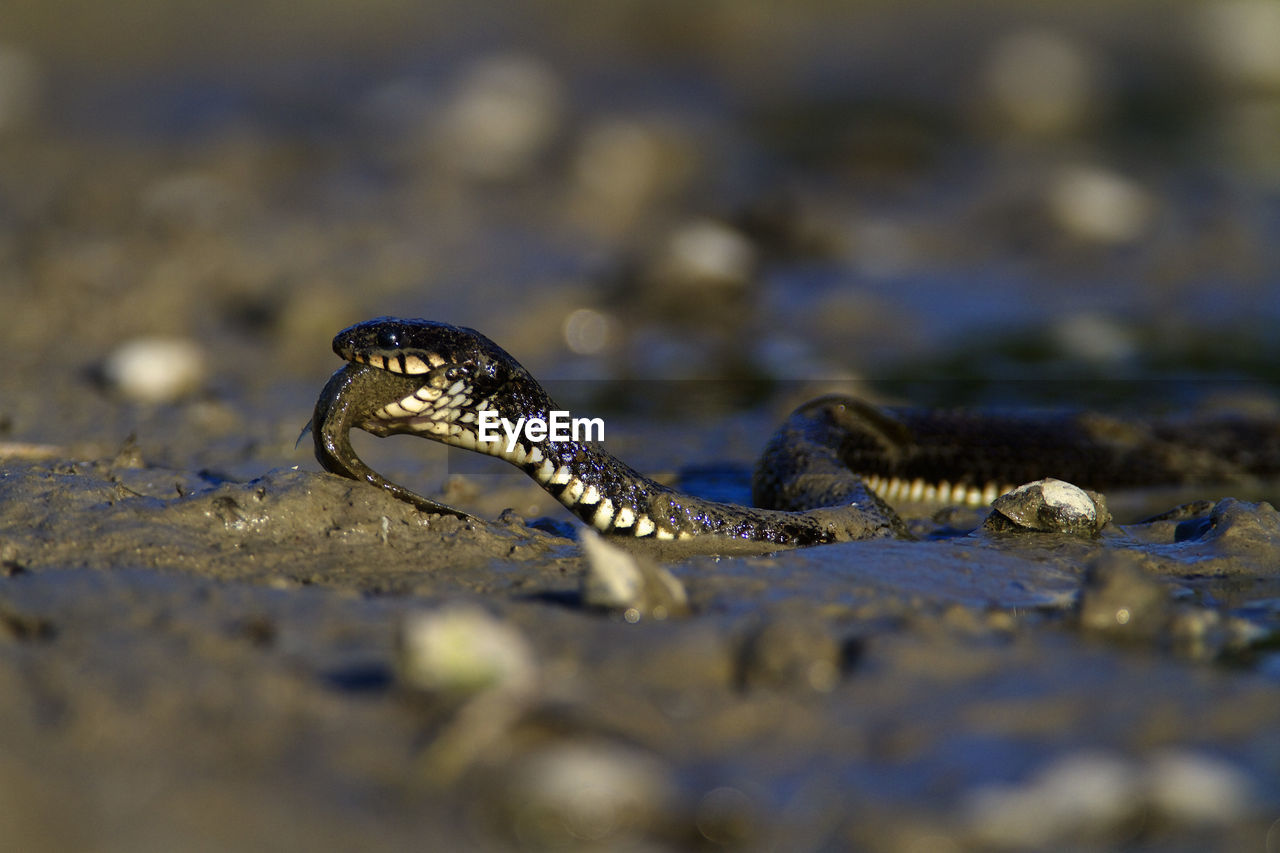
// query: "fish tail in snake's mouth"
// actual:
[[347, 402]]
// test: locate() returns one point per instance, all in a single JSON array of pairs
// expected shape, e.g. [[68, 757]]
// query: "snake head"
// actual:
[[434, 379], [439, 353]]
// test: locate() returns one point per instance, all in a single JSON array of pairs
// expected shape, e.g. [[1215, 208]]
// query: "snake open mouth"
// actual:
[[350, 399]]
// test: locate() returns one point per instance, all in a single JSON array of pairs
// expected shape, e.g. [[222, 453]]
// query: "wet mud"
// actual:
[[187, 656]]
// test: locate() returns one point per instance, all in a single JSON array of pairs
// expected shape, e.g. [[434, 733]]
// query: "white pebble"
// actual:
[[463, 649], [1091, 795], [1081, 794], [707, 253], [1094, 337], [1052, 505], [1240, 38], [623, 166], [156, 370], [1195, 788], [1098, 205], [570, 793], [615, 579], [504, 113]]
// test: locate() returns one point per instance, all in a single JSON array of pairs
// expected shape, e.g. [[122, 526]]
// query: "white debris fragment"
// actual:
[[504, 113], [1079, 796], [1089, 797], [1239, 39], [1098, 205], [705, 253], [155, 370], [615, 579], [569, 793], [463, 649], [1196, 788]]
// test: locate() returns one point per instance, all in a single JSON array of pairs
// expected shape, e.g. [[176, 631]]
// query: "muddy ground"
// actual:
[[686, 223]]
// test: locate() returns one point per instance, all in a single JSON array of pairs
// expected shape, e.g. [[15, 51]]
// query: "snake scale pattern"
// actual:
[[825, 476]]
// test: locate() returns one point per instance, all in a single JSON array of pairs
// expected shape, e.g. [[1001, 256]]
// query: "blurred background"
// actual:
[[954, 202]]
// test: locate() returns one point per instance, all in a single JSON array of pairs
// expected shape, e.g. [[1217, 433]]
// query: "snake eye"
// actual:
[[388, 338], [455, 372]]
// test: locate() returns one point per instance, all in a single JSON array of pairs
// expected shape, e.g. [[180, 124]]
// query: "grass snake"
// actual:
[[824, 476]]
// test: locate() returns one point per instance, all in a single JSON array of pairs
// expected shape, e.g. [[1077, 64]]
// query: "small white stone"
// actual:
[[1051, 505], [1239, 37], [463, 649], [503, 115], [612, 578], [585, 795], [615, 579], [1099, 206], [155, 370], [707, 253], [1191, 787], [1094, 337], [1078, 795]]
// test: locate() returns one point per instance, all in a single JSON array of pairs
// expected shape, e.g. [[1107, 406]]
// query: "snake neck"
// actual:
[[612, 497]]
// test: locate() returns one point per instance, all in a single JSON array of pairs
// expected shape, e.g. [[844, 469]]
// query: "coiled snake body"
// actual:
[[816, 482]]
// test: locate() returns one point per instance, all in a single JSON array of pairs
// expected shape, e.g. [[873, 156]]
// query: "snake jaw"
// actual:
[[350, 400]]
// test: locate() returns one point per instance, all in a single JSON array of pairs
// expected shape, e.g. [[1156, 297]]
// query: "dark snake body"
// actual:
[[432, 379]]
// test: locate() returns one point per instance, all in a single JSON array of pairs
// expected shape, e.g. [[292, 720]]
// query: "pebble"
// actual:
[[790, 652], [155, 370], [1194, 788], [705, 254], [598, 793], [623, 167], [1049, 506], [1097, 205], [1095, 338], [1079, 796], [1093, 796], [1039, 82], [1239, 39], [1118, 599], [462, 649], [503, 115], [617, 580]]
